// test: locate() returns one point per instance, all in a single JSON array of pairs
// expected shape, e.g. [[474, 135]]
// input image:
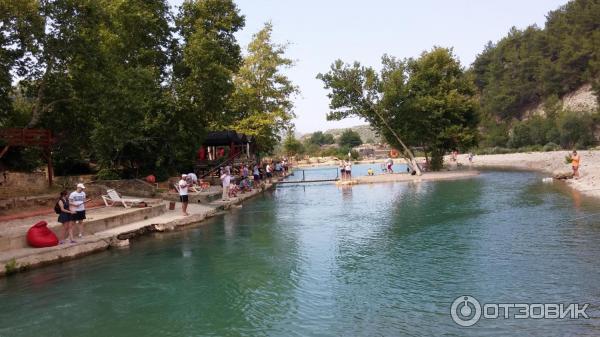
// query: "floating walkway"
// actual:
[[394, 177], [405, 177]]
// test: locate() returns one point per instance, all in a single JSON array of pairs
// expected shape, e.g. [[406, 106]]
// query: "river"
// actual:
[[319, 260]]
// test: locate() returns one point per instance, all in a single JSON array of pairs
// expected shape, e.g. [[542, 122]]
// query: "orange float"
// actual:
[[394, 153]]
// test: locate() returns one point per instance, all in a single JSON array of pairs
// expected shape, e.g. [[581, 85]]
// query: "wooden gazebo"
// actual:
[[223, 148]]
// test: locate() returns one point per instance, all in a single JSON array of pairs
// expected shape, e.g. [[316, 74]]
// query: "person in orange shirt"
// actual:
[[575, 161]]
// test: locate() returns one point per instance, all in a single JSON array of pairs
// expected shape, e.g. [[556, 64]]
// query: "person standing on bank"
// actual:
[[256, 173], [575, 161], [64, 217], [183, 193], [226, 181], [77, 200], [269, 170]]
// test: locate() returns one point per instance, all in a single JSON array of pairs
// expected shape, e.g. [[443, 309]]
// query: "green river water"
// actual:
[[318, 260]]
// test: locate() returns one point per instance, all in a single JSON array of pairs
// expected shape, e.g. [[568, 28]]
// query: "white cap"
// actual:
[[80, 185], [183, 175]]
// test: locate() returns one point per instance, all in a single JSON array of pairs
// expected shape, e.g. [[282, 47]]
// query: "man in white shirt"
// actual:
[[77, 200], [183, 193], [226, 181], [269, 170]]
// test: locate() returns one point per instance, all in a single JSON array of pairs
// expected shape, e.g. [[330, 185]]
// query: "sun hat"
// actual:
[[80, 185]]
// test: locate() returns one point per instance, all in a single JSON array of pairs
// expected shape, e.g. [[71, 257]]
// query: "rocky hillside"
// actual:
[[367, 134], [580, 101]]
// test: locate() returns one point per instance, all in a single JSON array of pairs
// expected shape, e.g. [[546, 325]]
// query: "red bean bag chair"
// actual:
[[39, 235]]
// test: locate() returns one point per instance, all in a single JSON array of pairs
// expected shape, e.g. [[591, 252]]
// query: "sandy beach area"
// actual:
[[547, 162]]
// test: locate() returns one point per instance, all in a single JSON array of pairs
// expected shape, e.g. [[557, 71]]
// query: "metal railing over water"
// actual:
[[315, 180]]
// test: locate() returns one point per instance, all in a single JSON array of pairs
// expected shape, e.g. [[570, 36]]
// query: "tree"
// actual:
[[112, 83], [134, 37], [21, 27], [262, 101], [292, 146], [349, 139], [529, 66], [576, 131], [425, 102], [320, 138], [441, 98], [205, 59]]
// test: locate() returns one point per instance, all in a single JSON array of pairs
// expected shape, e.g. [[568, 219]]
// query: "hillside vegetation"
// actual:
[[530, 66], [526, 79]]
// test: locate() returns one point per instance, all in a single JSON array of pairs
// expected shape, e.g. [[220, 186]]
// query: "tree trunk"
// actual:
[[437, 159], [412, 161], [36, 114]]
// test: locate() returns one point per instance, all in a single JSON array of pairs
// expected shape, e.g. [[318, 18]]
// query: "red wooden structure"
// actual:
[[29, 138]]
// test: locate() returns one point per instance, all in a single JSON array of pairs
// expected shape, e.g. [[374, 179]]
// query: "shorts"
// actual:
[[78, 216], [256, 177], [183, 198], [269, 174], [65, 217]]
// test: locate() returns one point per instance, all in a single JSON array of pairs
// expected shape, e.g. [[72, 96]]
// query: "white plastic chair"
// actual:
[[112, 198]]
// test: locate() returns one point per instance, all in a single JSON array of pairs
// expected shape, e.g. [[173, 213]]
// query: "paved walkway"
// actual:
[[24, 258]]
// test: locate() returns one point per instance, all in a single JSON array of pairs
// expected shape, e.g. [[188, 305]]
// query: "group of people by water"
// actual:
[[264, 171], [345, 169], [71, 211]]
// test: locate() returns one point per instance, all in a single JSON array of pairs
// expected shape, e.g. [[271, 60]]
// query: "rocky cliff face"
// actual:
[[581, 101]]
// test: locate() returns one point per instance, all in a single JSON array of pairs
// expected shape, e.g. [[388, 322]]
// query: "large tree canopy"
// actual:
[[262, 102], [120, 82], [426, 102]]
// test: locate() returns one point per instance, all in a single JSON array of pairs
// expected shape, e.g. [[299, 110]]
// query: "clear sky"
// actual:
[[320, 32]]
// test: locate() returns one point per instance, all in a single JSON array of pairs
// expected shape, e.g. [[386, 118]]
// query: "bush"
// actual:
[[23, 159], [495, 134], [551, 147], [531, 148], [108, 174], [493, 150], [329, 152], [70, 166], [161, 174], [520, 136], [576, 131]]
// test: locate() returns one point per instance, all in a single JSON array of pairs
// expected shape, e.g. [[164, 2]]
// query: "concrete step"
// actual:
[[15, 236]]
